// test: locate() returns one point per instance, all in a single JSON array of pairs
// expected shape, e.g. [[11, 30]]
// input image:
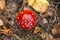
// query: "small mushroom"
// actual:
[[45, 20]]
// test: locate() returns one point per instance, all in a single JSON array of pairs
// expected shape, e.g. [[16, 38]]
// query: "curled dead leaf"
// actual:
[[1, 22], [47, 14], [6, 31], [36, 30], [56, 29], [5, 28], [43, 35]]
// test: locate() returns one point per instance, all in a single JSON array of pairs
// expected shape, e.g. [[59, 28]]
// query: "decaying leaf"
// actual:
[[51, 37], [49, 14], [36, 30], [6, 31], [56, 29], [5, 28], [39, 5], [43, 35], [25, 1], [1, 22], [2, 4]]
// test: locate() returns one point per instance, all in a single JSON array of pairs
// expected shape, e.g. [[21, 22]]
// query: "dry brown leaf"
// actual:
[[2, 4], [36, 30], [6, 31], [1, 22], [43, 35], [56, 29], [47, 14]]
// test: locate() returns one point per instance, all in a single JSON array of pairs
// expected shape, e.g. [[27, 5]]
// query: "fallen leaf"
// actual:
[[56, 29], [43, 35], [31, 2], [1, 22], [2, 4], [36, 30], [39, 5]]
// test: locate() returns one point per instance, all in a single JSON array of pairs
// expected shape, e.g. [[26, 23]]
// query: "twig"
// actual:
[[14, 35]]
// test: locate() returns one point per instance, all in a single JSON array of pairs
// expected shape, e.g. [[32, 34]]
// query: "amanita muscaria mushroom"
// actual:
[[26, 19]]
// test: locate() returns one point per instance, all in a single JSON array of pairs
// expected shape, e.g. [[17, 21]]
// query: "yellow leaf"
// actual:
[[30, 2], [39, 5]]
